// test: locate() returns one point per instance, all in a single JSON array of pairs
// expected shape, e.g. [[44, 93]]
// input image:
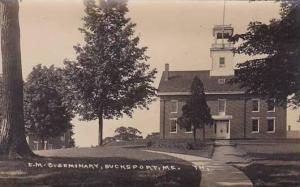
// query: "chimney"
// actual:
[[167, 67]]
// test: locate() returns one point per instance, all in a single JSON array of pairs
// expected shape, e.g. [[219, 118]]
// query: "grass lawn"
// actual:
[[273, 165], [118, 167], [202, 149], [182, 146]]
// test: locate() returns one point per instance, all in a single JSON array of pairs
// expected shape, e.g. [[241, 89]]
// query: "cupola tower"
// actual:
[[221, 51]]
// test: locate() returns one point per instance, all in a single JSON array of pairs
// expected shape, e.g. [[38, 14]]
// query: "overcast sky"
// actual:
[[176, 32]]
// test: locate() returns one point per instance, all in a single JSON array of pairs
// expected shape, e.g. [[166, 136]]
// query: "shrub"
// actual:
[[189, 146], [149, 144]]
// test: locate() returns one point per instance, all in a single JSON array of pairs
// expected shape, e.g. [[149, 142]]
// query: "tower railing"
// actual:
[[222, 45]]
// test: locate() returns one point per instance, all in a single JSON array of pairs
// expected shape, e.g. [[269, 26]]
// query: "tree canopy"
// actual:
[[153, 136], [46, 113], [110, 76], [127, 134], [195, 113], [275, 72]]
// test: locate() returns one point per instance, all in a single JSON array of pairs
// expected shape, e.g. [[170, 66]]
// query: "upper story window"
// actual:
[[271, 105], [255, 105], [173, 125], [222, 62], [221, 81], [271, 125], [174, 106], [222, 105]]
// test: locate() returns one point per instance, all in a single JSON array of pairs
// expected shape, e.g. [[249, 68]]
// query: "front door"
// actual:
[[222, 129]]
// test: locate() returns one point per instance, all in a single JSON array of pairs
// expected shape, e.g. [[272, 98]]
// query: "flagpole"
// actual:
[[223, 24]]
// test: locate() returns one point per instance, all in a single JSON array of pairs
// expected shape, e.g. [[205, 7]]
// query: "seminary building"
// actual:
[[236, 115]]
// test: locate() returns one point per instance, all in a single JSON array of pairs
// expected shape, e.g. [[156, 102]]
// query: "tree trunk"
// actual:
[[203, 131], [100, 130], [194, 133], [12, 134]]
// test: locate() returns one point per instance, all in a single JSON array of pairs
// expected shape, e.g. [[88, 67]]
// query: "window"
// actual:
[[189, 129], [222, 105], [222, 62], [271, 105], [219, 35], [289, 128], [271, 125], [255, 105], [174, 106], [173, 126], [221, 81], [226, 35], [255, 125]]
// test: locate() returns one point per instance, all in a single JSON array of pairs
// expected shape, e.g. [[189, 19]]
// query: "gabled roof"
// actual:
[[181, 82]]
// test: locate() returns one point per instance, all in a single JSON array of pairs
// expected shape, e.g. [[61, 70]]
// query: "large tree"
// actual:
[[12, 136], [196, 113], [46, 113], [127, 134], [110, 76], [275, 70]]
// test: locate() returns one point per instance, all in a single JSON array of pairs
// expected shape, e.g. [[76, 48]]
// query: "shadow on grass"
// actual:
[[90, 172], [202, 149], [274, 170], [282, 156], [273, 176]]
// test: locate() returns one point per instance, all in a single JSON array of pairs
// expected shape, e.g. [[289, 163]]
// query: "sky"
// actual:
[[178, 32]]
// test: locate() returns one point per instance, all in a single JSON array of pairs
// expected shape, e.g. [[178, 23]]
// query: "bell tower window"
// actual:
[[222, 62], [221, 35]]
